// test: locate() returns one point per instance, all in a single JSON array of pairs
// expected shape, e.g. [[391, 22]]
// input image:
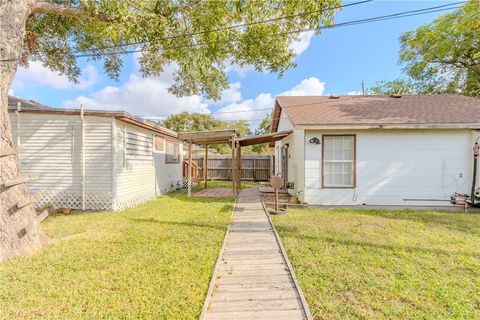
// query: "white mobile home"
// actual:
[[94, 160], [411, 150]]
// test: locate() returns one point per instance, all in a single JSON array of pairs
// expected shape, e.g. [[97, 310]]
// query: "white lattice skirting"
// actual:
[[185, 182], [131, 200], [98, 200]]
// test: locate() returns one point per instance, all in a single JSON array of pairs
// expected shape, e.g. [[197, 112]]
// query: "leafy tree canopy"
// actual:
[[444, 56], [201, 37], [404, 86], [264, 127], [185, 122]]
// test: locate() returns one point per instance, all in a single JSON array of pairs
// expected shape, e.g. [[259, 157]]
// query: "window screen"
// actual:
[[338, 161]]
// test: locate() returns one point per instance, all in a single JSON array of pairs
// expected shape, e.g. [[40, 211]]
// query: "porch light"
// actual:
[[314, 140]]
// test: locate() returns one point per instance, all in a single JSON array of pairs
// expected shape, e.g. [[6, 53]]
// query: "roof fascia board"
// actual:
[[389, 126]]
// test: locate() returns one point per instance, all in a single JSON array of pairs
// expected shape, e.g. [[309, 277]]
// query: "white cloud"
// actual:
[[308, 87], [249, 109], [299, 46], [239, 70], [354, 93], [232, 94], [141, 96], [254, 109], [37, 74]]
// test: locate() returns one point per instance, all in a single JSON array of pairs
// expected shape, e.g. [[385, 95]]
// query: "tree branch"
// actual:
[[65, 10]]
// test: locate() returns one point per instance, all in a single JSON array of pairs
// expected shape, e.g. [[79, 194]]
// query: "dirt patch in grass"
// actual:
[[375, 264]]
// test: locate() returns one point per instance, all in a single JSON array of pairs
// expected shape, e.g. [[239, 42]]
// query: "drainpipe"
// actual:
[[83, 156], [19, 108], [114, 164], [476, 154]]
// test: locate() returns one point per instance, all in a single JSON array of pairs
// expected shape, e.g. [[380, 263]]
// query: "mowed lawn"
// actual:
[[153, 261], [385, 265]]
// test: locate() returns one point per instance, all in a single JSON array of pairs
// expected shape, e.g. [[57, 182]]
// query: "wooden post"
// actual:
[[205, 166], [272, 173], [254, 170], [234, 189], [190, 168], [276, 199], [239, 167]]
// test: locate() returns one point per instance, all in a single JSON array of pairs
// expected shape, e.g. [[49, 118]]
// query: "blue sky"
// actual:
[[333, 62]]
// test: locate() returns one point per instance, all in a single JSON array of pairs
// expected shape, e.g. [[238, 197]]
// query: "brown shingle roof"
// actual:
[[409, 111]]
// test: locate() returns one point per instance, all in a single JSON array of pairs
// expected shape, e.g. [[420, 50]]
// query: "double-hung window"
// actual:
[[338, 161]]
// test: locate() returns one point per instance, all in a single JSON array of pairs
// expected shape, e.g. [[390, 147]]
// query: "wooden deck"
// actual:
[[253, 278], [214, 193]]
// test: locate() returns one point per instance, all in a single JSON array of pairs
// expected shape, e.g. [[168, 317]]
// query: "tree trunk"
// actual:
[[13, 239]]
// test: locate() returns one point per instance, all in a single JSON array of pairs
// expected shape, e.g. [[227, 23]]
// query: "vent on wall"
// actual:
[[395, 96], [334, 97]]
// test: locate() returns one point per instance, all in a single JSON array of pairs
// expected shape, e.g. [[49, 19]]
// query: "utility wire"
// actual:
[[226, 28], [342, 24]]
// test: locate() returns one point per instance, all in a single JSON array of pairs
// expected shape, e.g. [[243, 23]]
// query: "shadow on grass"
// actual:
[[176, 223], [450, 220], [348, 242]]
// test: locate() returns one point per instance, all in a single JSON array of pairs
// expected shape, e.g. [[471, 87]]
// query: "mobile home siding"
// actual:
[[51, 148], [395, 167], [143, 174]]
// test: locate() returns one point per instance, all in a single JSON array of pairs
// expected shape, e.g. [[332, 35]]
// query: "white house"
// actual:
[[91, 159], [377, 150]]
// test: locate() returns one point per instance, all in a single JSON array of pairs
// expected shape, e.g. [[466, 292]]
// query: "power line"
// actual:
[[221, 112], [342, 24], [227, 28]]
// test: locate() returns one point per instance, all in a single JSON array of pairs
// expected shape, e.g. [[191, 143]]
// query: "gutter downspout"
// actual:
[[476, 155], [17, 112], [114, 164], [83, 157]]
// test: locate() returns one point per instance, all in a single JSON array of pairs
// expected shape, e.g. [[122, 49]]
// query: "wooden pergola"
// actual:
[[232, 138], [207, 138]]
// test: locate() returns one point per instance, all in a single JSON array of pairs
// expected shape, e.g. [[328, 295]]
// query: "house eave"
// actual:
[[388, 126]]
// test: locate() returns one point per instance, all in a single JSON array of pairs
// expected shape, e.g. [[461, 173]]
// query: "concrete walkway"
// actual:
[[252, 278]]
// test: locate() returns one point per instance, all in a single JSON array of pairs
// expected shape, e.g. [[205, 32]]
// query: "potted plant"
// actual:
[[290, 187]]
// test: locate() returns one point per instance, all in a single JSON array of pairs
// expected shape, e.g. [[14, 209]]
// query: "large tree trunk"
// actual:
[[13, 241]]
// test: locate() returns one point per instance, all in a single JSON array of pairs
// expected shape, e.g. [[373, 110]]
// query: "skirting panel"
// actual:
[[132, 200], [51, 198]]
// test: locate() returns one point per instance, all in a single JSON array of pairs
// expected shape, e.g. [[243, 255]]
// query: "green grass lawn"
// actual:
[[385, 265], [153, 261]]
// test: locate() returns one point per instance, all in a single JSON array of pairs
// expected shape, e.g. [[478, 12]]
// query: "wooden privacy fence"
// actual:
[[254, 167]]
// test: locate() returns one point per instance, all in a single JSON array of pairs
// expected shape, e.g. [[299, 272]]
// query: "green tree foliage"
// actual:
[[403, 86], [264, 127], [444, 56], [186, 122], [200, 37]]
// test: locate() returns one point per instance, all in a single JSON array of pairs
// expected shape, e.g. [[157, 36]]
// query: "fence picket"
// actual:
[[254, 167]]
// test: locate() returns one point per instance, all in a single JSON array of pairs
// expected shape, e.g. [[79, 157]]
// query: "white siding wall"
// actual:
[[296, 154], [145, 177], [51, 148], [393, 165]]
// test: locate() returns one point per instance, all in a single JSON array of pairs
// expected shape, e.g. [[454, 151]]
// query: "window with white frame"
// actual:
[[339, 161], [172, 152]]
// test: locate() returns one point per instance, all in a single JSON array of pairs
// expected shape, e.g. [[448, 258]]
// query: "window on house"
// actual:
[[172, 153], [138, 146], [159, 143], [339, 161]]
